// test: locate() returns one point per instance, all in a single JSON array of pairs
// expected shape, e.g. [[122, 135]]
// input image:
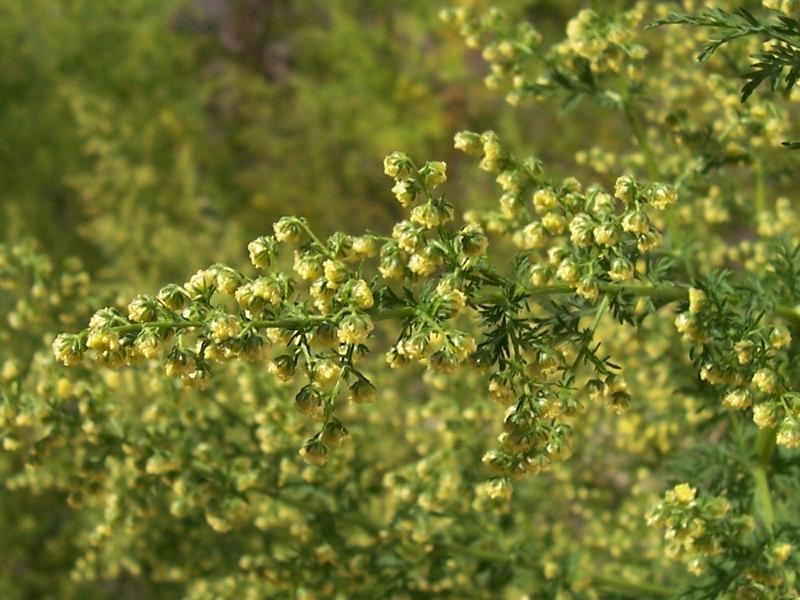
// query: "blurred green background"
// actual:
[[150, 137]]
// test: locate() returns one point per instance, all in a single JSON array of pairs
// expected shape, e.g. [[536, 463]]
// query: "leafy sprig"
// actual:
[[776, 64]]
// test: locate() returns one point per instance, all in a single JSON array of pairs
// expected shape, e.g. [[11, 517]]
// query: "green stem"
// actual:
[[762, 499], [601, 310], [313, 236], [662, 293], [421, 181]]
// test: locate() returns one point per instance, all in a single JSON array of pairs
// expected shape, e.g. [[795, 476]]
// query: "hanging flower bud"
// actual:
[[315, 452]]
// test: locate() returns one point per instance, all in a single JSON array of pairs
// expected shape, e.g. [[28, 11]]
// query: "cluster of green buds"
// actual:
[[317, 319], [706, 531], [697, 528], [589, 238], [744, 357], [528, 331], [597, 45], [431, 276], [221, 314]]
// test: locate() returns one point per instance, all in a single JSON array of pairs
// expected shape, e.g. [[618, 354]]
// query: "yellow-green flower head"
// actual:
[[148, 344], [587, 288], [315, 452], [636, 222], [554, 222], [684, 493], [262, 251], [142, 309], [605, 235], [354, 329], [405, 190], [492, 150], [228, 280], [544, 200], [365, 246], [532, 236], [287, 230], [172, 296], [766, 381], [540, 275], [392, 267], [397, 165], [689, 327], [178, 363], [581, 229], [453, 299], [764, 415], [434, 174], [326, 372], [268, 289], [648, 241], [744, 351], [510, 181], [336, 272], [780, 337], [307, 266], [424, 263], [224, 328], [789, 432], [625, 189], [497, 489], [362, 295], [67, 349], [738, 399], [663, 196], [501, 391], [781, 552], [568, 271], [621, 270], [202, 283], [334, 434], [697, 300], [283, 368], [103, 318], [468, 142], [362, 392], [431, 215], [473, 240], [309, 401], [102, 340], [10, 370]]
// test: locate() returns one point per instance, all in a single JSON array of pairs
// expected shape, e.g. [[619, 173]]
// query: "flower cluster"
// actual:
[[614, 337], [744, 357], [597, 48], [590, 236], [319, 319], [705, 531]]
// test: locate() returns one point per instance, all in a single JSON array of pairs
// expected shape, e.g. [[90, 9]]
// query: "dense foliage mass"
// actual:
[[555, 358]]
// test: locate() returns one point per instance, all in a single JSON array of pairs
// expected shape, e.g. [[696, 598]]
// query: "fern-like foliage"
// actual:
[[777, 64]]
